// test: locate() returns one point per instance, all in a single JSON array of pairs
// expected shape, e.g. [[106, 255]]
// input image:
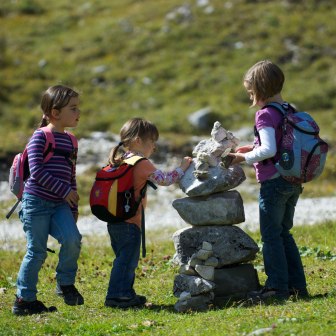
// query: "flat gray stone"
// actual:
[[194, 285], [206, 272], [224, 208], [203, 254], [187, 269], [198, 303], [231, 245], [211, 262], [219, 179]]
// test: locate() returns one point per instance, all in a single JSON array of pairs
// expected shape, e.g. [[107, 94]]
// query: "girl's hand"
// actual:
[[186, 161], [72, 198], [244, 149], [237, 157]]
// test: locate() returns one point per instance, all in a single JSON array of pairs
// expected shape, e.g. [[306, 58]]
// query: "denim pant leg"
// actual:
[[125, 241], [35, 216], [296, 275], [276, 209], [63, 228]]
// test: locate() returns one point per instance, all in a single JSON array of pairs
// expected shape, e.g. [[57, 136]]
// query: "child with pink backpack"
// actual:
[[50, 201]]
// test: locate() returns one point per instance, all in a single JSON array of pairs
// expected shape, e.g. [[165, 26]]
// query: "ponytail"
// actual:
[[44, 121], [112, 158]]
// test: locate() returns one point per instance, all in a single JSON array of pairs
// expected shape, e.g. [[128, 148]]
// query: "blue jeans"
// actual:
[[125, 241], [282, 261], [40, 218]]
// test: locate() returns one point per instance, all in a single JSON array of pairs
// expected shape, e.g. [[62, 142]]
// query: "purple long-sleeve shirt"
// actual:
[[53, 179]]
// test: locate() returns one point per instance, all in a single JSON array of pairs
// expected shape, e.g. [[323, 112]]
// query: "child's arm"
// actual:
[[251, 154], [73, 198], [266, 149], [167, 178]]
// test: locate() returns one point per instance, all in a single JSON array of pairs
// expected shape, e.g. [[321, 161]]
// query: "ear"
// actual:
[[55, 113], [138, 140]]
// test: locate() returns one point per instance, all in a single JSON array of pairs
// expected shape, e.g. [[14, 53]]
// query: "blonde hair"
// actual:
[[130, 131], [264, 80]]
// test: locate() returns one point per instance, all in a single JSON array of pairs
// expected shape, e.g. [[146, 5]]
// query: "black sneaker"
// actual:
[[22, 307], [135, 301], [267, 295], [70, 295]]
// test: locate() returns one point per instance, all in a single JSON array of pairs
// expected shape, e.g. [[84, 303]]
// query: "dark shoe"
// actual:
[[70, 295], [136, 301], [299, 293], [22, 307], [267, 295]]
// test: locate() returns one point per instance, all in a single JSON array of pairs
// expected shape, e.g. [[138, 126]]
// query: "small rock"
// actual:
[[203, 254], [206, 272]]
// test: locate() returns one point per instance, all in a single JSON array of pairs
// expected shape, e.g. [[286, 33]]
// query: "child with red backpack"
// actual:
[[137, 138], [50, 203], [278, 193]]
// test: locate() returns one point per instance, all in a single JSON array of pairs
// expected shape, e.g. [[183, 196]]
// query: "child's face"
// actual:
[[252, 96], [248, 90], [69, 114], [147, 147]]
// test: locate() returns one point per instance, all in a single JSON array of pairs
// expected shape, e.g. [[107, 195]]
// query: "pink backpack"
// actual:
[[19, 171]]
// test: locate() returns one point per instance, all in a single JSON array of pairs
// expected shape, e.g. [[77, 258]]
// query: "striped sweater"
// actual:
[[53, 179]]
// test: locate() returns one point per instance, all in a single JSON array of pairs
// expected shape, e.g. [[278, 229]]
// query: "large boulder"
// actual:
[[225, 208], [218, 179], [234, 282], [231, 245]]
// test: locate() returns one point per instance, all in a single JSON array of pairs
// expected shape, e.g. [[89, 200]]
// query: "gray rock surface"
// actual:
[[219, 179], [235, 280], [225, 208], [231, 245], [206, 272], [195, 303], [192, 284]]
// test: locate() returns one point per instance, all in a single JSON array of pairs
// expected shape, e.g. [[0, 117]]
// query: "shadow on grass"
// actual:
[[245, 303]]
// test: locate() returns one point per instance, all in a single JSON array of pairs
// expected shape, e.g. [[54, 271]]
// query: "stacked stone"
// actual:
[[213, 254]]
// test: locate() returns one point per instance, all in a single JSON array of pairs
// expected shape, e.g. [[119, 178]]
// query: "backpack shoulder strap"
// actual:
[[133, 160], [50, 143], [73, 140], [284, 108]]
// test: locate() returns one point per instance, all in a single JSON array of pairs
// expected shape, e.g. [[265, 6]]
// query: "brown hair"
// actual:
[[132, 129], [55, 97], [264, 79]]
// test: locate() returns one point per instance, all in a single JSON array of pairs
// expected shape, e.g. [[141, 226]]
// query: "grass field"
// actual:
[[163, 60], [155, 276]]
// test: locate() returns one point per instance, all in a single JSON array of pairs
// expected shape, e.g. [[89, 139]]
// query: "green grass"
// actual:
[[190, 63], [163, 69], [154, 279]]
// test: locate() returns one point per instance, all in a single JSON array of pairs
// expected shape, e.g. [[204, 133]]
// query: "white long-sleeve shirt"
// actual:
[[266, 150]]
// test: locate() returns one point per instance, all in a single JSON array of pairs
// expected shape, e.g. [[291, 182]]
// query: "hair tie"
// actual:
[[120, 143], [44, 116]]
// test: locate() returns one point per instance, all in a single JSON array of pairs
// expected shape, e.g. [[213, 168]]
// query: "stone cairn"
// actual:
[[213, 254]]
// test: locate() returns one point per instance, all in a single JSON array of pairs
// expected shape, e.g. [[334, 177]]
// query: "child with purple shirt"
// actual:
[[278, 197], [50, 204]]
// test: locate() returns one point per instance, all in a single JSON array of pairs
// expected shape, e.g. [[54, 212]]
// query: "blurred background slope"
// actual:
[[163, 60]]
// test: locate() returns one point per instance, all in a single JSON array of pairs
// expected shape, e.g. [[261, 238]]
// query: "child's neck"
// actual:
[[276, 99], [136, 152], [55, 127]]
